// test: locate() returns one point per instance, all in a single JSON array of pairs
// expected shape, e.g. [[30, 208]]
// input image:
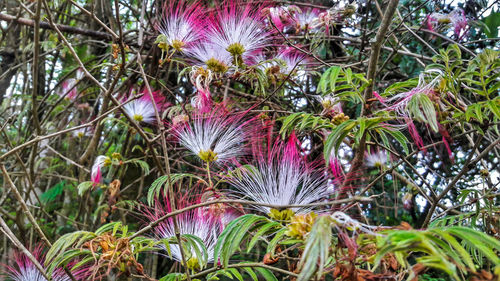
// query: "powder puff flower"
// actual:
[[293, 60], [306, 20], [215, 137], [82, 132], [68, 89], [143, 109], [193, 222], [281, 16], [282, 178], [238, 29], [210, 57], [180, 26], [25, 270], [96, 172], [376, 159], [456, 19]]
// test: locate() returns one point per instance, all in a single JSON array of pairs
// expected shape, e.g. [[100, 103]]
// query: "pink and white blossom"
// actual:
[[210, 57], [181, 24], [68, 89], [376, 159], [218, 136], [281, 177], [143, 108], [193, 222], [25, 270], [307, 19], [292, 60], [456, 19], [238, 29]]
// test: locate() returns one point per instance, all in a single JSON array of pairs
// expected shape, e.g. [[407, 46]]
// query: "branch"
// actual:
[[61, 27]]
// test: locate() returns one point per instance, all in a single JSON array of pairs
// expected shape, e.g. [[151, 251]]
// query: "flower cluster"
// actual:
[[234, 36]]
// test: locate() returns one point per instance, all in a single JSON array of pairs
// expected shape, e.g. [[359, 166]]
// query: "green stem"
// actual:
[[210, 184]]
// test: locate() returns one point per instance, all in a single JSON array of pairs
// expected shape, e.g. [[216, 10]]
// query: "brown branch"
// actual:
[[61, 27]]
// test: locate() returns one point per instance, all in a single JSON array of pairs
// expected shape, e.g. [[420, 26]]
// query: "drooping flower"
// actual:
[[376, 159], [218, 136], [181, 25], [193, 222], [281, 177], [238, 29], [201, 79], [459, 22], [96, 172], [25, 270], [143, 109]]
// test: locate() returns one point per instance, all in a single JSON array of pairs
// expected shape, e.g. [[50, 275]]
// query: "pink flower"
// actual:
[[201, 79], [68, 89], [143, 108], [281, 16], [306, 20], [25, 270], [238, 28], [293, 59], [459, 22], [193, 222], [456, 19], [281, 176], [218, 136], [181, 24], [210, 57]]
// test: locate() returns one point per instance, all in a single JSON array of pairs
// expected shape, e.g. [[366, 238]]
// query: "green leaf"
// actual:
[[316, 249], [51, 194], [83, 187]]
